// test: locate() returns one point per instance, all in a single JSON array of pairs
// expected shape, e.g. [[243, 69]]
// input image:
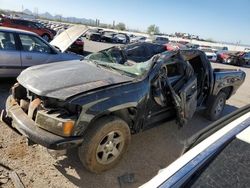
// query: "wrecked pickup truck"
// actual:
[[96, 105]]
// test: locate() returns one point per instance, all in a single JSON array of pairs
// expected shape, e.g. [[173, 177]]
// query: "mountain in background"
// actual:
[[27, 11], [47, 15]]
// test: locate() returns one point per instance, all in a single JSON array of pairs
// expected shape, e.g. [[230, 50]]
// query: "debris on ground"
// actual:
[[127, 178], [6, 173], [16, 180]]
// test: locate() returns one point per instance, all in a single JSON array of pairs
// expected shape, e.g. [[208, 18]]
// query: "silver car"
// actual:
[[21, 49]]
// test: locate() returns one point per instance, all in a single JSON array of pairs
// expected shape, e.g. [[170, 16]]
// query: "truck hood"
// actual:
[[65, 39], [68, 78]]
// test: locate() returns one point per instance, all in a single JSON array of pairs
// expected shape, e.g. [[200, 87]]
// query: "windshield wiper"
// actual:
[[100, 65]]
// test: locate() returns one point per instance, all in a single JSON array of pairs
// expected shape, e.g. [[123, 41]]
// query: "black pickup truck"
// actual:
[[97, 103]]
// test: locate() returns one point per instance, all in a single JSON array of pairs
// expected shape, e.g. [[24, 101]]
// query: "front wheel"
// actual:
[[216, 106], [104, 144]]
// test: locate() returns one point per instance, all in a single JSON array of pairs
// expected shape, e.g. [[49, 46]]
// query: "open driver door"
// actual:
[[185, 98]]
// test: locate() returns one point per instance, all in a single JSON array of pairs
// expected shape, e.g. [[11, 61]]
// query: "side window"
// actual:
[[7, 41], [34, 44], [31, 24], [174, 68]]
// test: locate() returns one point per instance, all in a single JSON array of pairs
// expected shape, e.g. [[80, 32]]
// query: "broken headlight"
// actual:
[[55, 123]]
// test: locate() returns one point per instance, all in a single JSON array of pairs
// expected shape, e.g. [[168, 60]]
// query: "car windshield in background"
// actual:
[[207, 50]]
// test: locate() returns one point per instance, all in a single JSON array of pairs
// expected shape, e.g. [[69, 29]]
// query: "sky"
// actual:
[[220, 20]]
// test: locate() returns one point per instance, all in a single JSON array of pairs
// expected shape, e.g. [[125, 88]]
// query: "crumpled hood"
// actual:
[[65, 79]]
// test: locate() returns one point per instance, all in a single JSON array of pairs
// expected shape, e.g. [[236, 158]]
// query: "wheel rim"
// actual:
[[219, 106], [110, 147], [45, 37]]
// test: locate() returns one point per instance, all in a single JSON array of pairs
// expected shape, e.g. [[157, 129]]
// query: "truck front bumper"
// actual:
[[20, 121]]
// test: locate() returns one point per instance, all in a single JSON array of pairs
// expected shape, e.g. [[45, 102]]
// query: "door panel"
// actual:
[[188, 95], [10, 62]]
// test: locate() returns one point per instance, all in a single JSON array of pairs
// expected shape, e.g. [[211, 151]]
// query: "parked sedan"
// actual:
[[121, 38], [158, 39], [21, 49], [45, 33]]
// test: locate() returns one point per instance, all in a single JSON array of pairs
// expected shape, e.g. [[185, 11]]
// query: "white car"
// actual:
[[211, 55], [138, 39]]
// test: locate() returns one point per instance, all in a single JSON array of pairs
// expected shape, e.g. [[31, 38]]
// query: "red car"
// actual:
[[27, 25], [77, 46], [174, 46]]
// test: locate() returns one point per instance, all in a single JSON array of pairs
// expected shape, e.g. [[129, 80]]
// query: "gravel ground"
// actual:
[[149, 151]]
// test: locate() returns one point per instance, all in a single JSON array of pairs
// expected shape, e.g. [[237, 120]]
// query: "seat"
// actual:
[[7, 44]]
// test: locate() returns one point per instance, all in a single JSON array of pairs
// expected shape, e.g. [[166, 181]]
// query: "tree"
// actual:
[[121, 26], [153, 29]]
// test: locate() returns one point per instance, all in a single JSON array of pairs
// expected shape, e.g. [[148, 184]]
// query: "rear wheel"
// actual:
[[104, 144], [216, 106]]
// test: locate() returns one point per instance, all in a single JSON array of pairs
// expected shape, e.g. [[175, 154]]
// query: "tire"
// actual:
[[216, 106], [104, 144], [46, 37]]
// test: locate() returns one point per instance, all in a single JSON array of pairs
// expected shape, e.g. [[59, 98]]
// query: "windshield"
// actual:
[[39, 25], [207, 50], [113, 59], [109, 34]]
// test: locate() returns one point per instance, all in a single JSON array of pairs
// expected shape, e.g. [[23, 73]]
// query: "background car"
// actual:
[[21, 49], [108, 36], [138, 39], [237, 58], [174, 46], [94, 34], [192, 46], [121, 38], [77, 46], [157, 39], [211, 55], [247, 58], [222, 56], [45, 33]]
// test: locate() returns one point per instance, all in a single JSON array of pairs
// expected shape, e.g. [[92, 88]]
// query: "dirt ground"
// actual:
[[149, 152]]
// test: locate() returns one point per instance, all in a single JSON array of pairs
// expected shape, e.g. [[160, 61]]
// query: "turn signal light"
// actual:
[[68, 127]]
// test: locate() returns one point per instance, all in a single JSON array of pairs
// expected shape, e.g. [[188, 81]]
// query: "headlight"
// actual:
[[54, 123], [229, 60]]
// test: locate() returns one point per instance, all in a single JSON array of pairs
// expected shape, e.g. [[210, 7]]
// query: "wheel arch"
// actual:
[[127, 114]]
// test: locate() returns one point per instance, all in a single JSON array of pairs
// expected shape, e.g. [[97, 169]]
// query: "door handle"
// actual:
[[29, 57]]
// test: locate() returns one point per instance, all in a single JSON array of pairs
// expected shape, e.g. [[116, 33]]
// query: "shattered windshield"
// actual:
[[114, 59]]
